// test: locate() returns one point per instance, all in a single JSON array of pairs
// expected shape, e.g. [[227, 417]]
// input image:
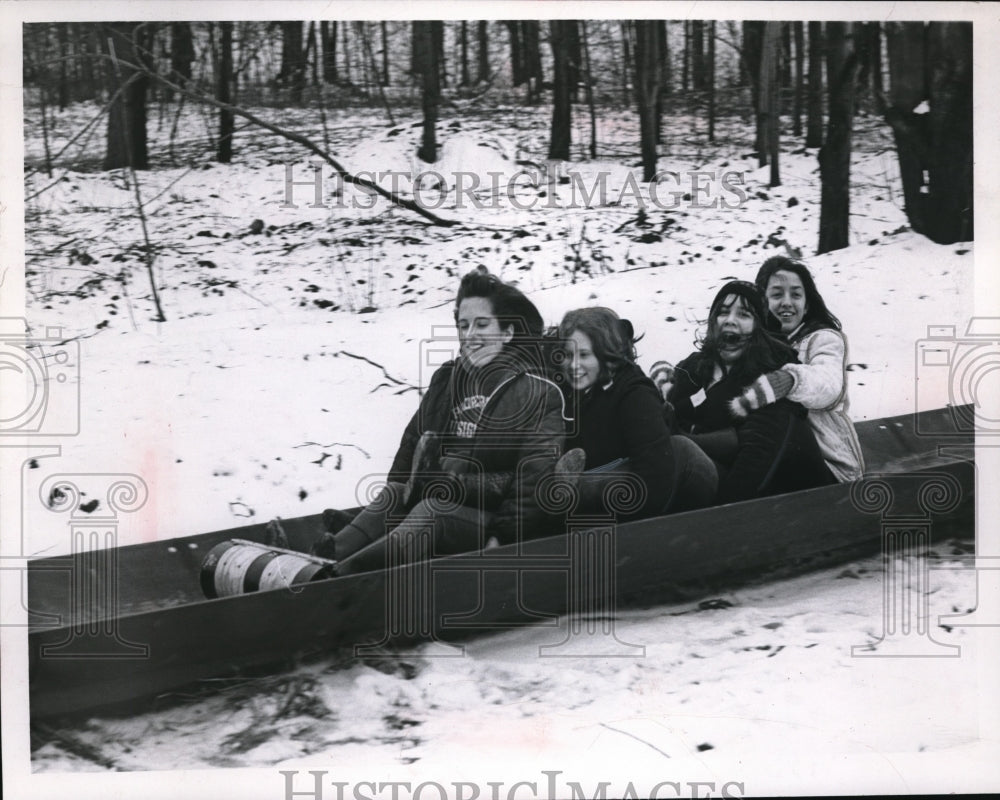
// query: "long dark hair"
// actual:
[[817, 315], [764, 352], [612, 338]]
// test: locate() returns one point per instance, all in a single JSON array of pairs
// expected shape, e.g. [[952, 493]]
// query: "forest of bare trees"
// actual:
[[916, 77]]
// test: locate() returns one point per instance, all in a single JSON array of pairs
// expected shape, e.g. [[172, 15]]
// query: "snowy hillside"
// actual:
[[292, 357]]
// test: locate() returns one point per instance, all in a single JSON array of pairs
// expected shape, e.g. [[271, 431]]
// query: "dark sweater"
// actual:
[[771, 451], [624, 419]]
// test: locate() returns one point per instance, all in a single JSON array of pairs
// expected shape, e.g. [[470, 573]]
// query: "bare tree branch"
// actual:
[[298, 138]]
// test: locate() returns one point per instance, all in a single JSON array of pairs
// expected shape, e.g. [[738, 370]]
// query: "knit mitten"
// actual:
[[662, 374], [426, 462], [765, 390]]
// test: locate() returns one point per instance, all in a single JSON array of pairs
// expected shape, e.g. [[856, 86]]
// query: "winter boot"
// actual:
[[334, 519], [570, 465], [274, 534]]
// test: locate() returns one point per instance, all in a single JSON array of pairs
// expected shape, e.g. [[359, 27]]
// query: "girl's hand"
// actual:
[[765, 390], [426, 460], [662, 374]]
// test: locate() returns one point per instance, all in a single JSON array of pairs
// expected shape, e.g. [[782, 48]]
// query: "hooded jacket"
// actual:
[[503, 429]]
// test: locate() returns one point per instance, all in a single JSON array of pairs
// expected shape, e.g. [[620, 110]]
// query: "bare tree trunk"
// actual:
[[464, 47], [426, 64], [181, 54], [482, 52], [590, 90], [532, 60], [224, 79], [686, 57], [908, 88], [814, 96], [438, 33], [842, 67], [753, 41], [875, 54], [62, 36], [661, 43], [667, 73], [85, 88], [770, 94], [559, 138], [43, 91], [127, 115], [293, 67], [312, 49], [378, 81], [931, 66], [385, 54], [647, 71], [785, 56], [626, 60], [328, 35], [361, 32], [698, 55], [516, 52], [345, 46], [575, 60], [711, 81], [799, 31], [950, 173]]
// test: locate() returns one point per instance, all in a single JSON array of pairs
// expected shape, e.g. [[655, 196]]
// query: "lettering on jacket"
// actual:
[[467, 414]]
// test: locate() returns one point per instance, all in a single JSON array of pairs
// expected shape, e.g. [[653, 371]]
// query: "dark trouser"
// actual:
[[777, 453], [695, 481], [385, 533]]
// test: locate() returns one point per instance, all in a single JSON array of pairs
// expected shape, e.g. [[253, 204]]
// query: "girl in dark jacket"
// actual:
[[631, 460], [768, 451], [488, 429]]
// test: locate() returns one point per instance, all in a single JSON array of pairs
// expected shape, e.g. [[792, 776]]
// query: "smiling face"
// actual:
[[734, 322], [786, 298], [479, 331], [583, 367]]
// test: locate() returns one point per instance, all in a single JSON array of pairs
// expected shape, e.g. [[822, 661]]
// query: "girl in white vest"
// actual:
[[819, 382]]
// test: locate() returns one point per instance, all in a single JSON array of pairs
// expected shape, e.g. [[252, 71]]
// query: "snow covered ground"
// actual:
[[289, 363]]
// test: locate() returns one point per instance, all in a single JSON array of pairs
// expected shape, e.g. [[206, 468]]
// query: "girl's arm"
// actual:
[[819, 381], [541, 435]]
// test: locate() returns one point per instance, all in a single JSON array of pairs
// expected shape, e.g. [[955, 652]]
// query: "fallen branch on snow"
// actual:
[[388, 377], [298, 138]]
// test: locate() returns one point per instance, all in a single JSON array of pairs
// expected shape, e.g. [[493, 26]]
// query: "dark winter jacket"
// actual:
[[771, 451], [503, 427], [624, 419]]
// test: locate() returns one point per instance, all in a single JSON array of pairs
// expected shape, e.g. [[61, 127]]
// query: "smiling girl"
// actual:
[[489, 427], [798, 313], [766, 450], [619, 423]]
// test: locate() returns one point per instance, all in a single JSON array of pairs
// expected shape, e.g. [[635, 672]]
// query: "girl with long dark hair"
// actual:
[[767, 450], [798, 313]]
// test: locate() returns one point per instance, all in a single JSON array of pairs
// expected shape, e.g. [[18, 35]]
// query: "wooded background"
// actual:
[[798, 84]]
